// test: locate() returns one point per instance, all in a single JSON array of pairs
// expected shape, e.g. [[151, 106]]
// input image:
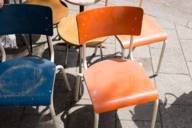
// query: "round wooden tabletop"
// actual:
[[82, 2], [59, 9], [67, 29]]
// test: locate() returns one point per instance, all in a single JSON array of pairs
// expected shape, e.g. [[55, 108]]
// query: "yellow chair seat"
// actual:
[[67, 29]]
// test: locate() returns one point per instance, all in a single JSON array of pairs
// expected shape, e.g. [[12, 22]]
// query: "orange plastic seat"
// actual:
[[114, 83], [151, 32], [117, 83]]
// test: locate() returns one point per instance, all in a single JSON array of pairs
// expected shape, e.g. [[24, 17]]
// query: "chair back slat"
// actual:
[[106, 21], [25, 19]]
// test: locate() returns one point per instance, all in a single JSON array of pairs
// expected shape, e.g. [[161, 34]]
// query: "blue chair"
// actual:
[[28, 81]]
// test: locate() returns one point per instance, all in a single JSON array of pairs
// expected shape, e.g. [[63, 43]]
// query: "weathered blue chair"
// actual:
[[28, 81]]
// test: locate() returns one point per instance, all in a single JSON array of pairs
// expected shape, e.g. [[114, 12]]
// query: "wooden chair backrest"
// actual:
[[106, 21]]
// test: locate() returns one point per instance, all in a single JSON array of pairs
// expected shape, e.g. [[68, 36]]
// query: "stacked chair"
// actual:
[[151, 32], [28, 81]]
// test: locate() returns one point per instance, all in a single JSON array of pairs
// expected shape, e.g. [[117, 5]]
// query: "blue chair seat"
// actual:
[[26, 81]]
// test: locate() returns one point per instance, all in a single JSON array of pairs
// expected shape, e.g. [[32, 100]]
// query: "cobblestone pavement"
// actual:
[[174, 81]]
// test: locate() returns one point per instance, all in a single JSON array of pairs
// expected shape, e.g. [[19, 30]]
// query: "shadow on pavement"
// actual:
[[81, 116], [175, 115]]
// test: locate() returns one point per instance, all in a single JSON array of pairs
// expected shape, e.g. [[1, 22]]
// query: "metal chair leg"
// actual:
[[3, 53], [95, 51], [160, 58], [122, 53], [27, 44], [96, 120], [78, 77], [53, 115], [52, 109], [101, 51], [130, 55], [77, 87], [155, 110], [66, 55], [106, 2], [61, 68]]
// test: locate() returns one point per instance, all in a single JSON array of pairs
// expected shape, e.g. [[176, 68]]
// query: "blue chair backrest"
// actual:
[[26, 19]]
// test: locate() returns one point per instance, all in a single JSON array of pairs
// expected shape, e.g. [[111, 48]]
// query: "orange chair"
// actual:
[[118, 82], [151, 33]]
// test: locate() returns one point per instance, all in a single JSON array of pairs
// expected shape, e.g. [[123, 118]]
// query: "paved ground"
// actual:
[[174, 81]]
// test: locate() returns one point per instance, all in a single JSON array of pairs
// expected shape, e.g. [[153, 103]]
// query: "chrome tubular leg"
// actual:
[[3, 54], [66, 54], [51, 48], [77, 87], [155, 110], [101, 51], [78, 77], [27, 44], [130, 55], [95, 51], [160, 58], [96, 120], [52, 109], [122, 53], [84, 58], [53, 115], [140, 3], [61, 68], [106, 2]]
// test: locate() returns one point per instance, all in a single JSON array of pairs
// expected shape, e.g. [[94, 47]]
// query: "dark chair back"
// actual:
[[25, 19]]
